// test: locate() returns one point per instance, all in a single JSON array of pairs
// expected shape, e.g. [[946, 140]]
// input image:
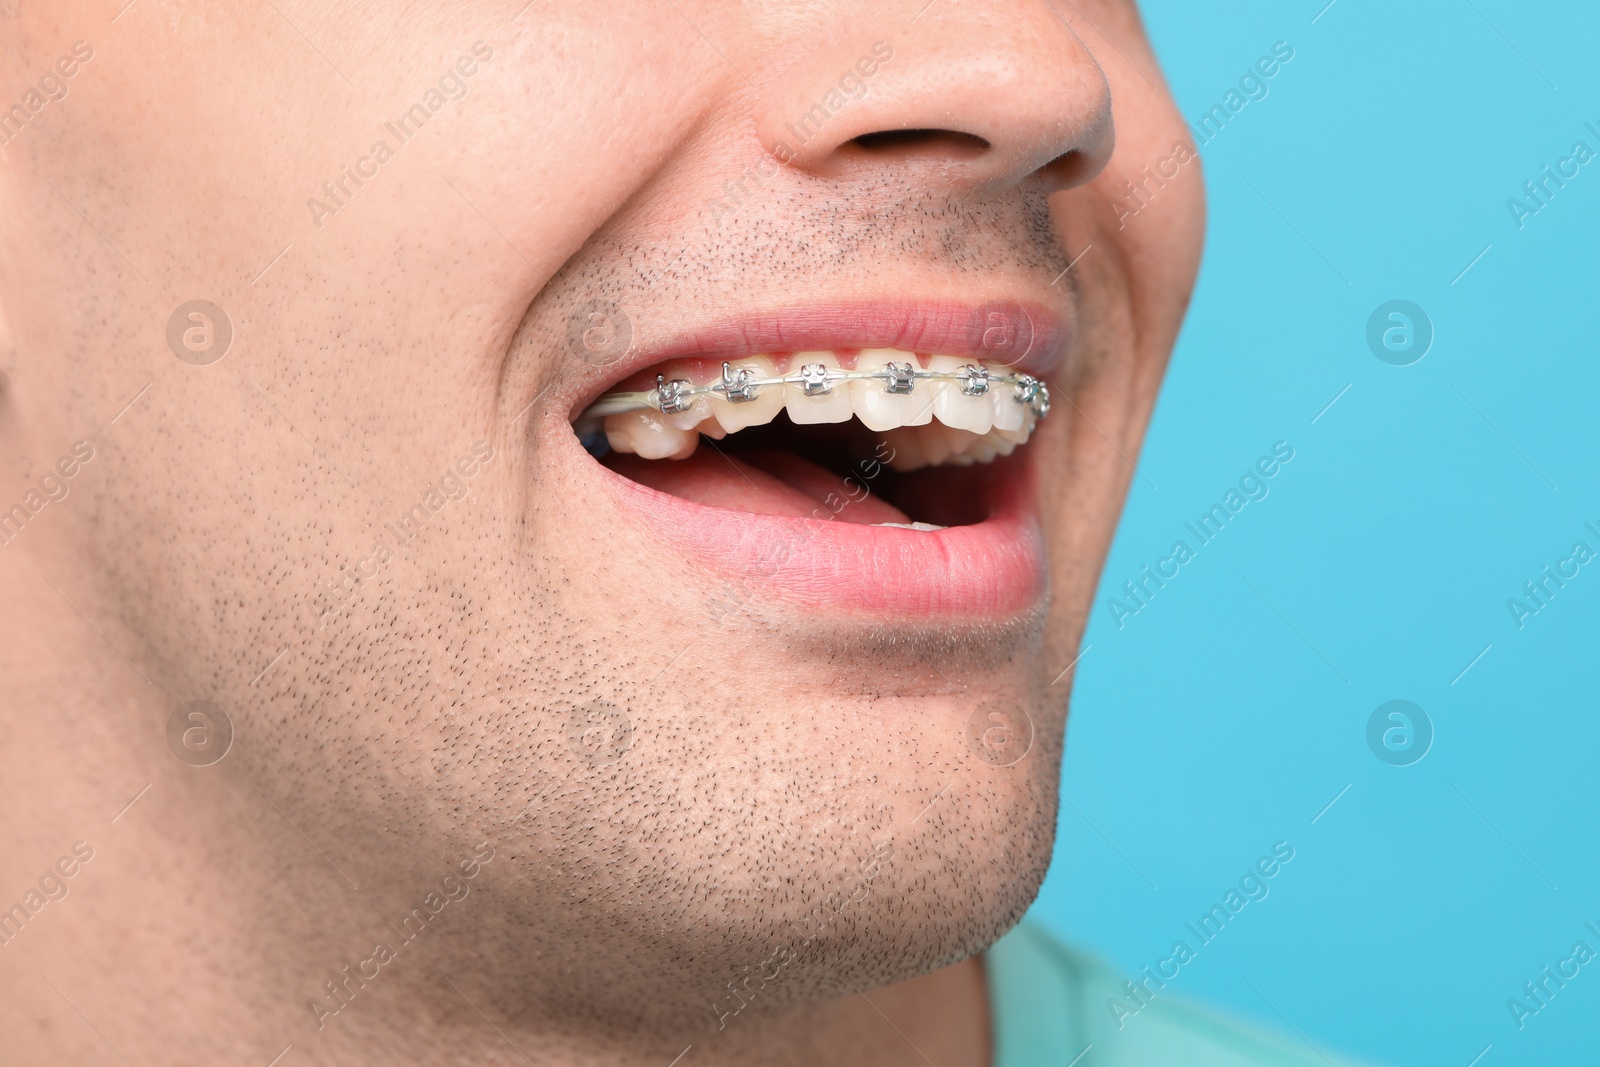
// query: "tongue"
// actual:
[[767, 483]]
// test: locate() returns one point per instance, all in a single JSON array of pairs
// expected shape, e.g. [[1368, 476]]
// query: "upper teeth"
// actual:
[[887, 390]]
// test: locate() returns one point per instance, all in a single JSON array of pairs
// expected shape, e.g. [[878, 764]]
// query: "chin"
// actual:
[[754, 856]]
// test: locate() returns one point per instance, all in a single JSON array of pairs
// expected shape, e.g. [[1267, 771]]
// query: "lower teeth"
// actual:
[[925, 527]]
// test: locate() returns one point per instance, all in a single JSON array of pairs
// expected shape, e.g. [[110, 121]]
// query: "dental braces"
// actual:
[[817, 379]]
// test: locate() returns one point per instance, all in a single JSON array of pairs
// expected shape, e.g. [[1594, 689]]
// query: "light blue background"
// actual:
[[1211, 725]]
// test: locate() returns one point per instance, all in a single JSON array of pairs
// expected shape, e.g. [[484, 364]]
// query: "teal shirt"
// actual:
[[1047, 1004]]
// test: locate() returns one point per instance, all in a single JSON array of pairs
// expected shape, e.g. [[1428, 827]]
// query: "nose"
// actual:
[[976, 94]]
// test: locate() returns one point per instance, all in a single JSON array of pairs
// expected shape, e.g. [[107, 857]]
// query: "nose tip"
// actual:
[[974, 98]]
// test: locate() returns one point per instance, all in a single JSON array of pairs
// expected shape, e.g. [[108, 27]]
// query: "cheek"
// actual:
[[1161, 245]]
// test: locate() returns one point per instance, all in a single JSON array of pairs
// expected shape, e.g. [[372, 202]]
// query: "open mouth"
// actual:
[[886, 478], [803, 433]]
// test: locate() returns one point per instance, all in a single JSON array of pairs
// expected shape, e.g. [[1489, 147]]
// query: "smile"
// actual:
[[857, 460]]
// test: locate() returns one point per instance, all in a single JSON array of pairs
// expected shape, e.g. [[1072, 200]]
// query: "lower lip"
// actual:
[[986, 571]]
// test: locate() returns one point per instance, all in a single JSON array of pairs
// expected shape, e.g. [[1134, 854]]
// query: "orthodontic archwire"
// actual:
[[670, 397]]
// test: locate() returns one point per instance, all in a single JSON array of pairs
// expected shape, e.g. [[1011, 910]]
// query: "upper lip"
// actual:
[[963, 329]]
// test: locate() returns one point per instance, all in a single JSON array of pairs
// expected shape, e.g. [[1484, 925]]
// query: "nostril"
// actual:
[[949, 143], [1068, 169]]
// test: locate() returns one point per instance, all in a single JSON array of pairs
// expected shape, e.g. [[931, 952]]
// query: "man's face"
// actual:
[[689, 700]]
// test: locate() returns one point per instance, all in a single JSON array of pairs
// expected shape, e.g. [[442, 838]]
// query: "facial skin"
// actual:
[[775, 754]]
